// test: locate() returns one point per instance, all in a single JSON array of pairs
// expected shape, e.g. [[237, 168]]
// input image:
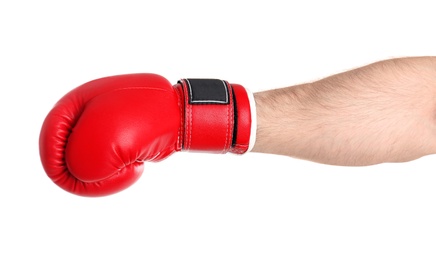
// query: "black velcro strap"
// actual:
[[208, 91]]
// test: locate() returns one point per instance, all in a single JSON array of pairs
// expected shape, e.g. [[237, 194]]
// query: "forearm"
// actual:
[[383, 112]]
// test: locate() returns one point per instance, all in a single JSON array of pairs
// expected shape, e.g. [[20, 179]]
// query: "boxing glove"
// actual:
[[97, 137]]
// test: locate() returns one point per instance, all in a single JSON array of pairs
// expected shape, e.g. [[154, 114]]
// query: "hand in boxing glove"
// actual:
[[96, 138]]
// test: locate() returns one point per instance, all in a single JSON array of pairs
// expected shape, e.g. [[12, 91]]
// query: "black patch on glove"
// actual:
[[207, 91]]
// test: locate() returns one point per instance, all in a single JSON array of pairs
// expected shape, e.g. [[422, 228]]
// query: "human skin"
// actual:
[[381, 112]]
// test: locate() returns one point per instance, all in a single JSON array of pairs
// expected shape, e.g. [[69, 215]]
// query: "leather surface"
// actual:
[[207, 127], [243, 120], [96, 138]]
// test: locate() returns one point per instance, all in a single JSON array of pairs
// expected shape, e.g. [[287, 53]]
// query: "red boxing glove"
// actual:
[[96, 138]]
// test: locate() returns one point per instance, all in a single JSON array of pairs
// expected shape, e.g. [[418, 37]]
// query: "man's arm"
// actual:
[[382, 112]]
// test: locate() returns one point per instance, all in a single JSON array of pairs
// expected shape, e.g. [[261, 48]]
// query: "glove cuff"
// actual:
[[216, 116]]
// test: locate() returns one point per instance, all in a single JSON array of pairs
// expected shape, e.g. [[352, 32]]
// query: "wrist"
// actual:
[[283, 118]]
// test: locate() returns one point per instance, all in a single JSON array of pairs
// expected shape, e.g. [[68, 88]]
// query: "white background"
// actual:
[[203, 206]]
